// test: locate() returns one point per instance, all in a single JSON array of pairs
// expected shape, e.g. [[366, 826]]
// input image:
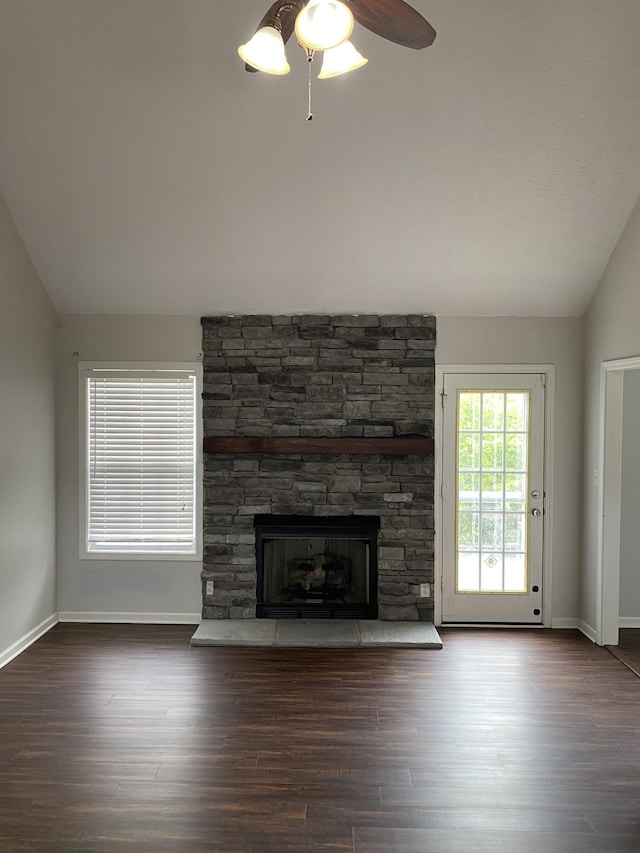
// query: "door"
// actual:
[[493, 498]]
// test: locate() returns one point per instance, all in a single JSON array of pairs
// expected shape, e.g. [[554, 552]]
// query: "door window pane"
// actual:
[[469, 451], [469, 411]]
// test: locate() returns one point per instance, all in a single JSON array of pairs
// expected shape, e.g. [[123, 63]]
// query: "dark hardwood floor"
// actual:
[[123, 738]]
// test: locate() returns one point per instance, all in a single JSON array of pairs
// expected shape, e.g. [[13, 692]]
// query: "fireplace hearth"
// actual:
[[316, 567]]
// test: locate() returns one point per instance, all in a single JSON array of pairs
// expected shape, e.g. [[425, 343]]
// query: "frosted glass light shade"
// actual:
[[338, 60], [265, 51], [323, 24]]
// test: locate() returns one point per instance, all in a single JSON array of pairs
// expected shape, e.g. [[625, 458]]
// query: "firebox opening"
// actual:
[[316, 567]]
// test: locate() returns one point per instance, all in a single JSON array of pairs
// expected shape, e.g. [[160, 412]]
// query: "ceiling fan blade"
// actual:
[[290, 9], [394, 20]]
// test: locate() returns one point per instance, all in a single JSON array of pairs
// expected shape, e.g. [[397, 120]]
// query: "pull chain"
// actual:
[[309, 61]]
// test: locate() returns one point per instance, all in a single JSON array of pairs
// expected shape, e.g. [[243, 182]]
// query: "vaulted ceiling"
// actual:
[[491, 173]]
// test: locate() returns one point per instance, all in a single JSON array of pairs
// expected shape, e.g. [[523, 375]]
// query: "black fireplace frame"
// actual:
[[299, 526]]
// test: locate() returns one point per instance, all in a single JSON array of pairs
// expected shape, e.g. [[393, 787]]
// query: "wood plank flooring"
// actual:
[[124, 738]]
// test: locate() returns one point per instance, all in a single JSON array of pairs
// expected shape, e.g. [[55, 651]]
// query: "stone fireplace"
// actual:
[[318, 417]]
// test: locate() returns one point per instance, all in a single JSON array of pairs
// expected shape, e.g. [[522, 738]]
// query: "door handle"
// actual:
[[535, 512]]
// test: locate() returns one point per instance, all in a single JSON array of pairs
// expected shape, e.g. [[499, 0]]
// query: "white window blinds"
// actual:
[[141, 461]]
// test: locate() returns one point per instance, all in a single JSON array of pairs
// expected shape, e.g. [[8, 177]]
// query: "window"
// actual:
[[140, 463]]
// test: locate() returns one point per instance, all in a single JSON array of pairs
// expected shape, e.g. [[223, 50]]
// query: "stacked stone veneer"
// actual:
[[362, 375]]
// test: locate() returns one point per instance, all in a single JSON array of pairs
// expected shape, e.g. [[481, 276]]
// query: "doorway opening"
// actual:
[[614, 484]]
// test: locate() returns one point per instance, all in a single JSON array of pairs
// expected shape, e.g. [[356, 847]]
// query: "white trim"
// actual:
[[549, 463], [27, 640], [599, 473], [535, 626], [549, 372], [119, 556], [611, 407], [589, 632], [563, 623], [610, 495], [629, 622], [132, 618], [631, 363]]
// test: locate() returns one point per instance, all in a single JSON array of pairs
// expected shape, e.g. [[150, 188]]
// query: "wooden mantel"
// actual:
[[401, 446]]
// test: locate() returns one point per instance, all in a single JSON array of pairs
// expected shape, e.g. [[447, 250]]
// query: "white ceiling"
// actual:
[[491, 173]]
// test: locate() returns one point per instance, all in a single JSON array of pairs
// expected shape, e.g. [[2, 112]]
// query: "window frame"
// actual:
[[84, 369]]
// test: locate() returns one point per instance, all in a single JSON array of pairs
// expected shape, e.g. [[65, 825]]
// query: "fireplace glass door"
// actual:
[[316, 567]]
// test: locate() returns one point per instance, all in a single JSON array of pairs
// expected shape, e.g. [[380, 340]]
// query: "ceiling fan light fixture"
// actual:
[[324, 24], [339, 60], [265, 51]]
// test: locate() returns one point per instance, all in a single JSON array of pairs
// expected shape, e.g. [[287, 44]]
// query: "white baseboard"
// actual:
[[516, 626], [587, 630], [27, 640], [572, 623], [133, 618], [629, 622]]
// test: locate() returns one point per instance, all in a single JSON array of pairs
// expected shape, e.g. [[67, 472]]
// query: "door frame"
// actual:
[[548, 372], [611, 409]]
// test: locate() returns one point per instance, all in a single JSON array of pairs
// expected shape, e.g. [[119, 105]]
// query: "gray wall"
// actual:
[[167, 588], [532, 340], [612, 331], [139, 589], [27, 443], [630, 499]]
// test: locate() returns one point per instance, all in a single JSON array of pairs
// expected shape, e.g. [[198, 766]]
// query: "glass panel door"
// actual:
[[493, 470]]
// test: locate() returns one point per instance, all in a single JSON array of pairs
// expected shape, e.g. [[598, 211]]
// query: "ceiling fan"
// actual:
[[326, 25]]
